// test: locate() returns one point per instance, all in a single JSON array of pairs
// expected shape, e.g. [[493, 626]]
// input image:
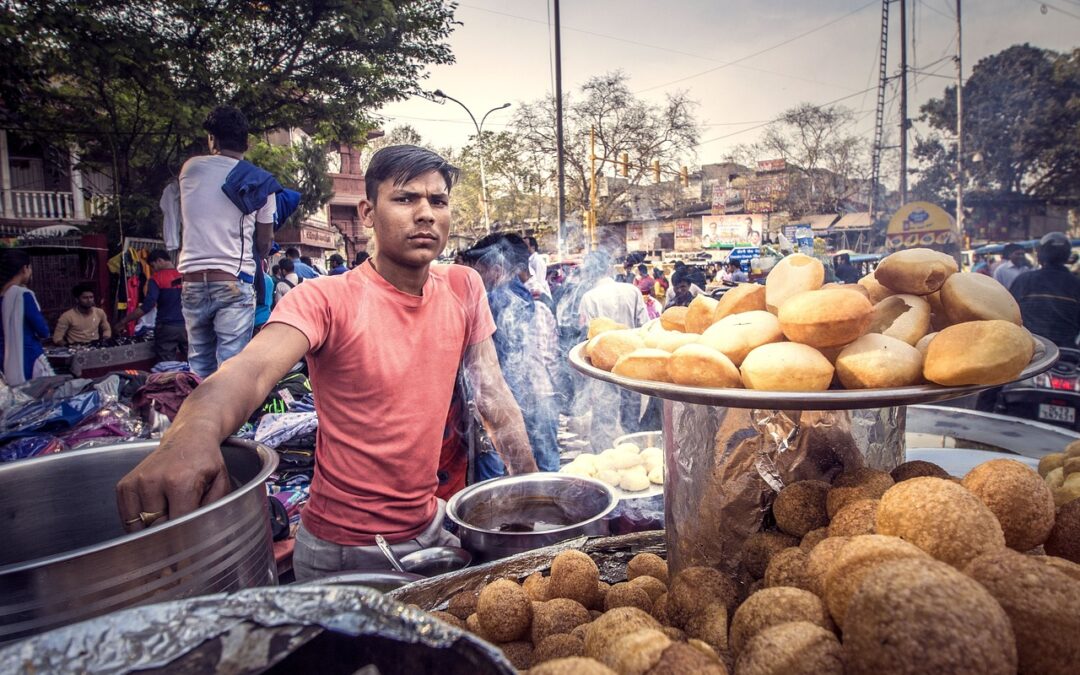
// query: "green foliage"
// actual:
[[129, 83], [1021, 121]]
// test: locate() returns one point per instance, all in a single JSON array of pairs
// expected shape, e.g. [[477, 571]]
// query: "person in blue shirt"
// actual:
[[262, 309], [23, 326], [163, 292], [337, 265], [302, 269]]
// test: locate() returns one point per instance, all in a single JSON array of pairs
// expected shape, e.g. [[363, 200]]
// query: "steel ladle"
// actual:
[[380, 541]]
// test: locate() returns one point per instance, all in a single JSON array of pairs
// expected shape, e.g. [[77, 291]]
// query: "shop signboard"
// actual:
[[731, 230], [687, 236], [770, 165], [719, 200], [634, 232], [921, 225]]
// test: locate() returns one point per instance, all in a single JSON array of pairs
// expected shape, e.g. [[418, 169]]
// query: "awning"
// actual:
[[854, 221], [819, 222]]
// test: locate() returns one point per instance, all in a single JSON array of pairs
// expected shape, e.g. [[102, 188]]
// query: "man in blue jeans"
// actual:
[[217, 262], [527, 345]]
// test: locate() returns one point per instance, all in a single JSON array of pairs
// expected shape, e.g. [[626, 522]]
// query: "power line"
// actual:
[[1056, 9], [661, 47], [762, 51]]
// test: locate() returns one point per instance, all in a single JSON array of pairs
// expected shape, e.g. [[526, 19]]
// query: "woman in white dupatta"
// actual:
[[23, 326]]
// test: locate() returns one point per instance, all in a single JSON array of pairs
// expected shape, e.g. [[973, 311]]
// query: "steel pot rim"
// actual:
[[455, 502], [269, 461]]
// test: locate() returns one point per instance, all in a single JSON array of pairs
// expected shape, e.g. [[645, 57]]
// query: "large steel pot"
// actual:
[[66, 556], [504, 516]]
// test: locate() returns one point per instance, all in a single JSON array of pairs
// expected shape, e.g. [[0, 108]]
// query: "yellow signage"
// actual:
[[920, 224]]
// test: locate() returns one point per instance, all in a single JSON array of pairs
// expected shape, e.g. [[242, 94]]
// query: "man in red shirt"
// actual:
[[383, 343]]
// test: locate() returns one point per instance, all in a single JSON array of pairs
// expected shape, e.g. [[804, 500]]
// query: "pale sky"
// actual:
[[503, 52]]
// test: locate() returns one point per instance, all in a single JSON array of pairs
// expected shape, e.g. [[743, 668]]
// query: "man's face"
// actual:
[[86, 300], [682, 288], [1018, 257], [411, 221]]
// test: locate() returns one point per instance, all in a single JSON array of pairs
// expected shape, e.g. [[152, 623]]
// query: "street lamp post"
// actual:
[[480, 145]]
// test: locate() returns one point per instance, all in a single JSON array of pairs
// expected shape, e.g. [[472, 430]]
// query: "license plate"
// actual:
[[1057, 413]]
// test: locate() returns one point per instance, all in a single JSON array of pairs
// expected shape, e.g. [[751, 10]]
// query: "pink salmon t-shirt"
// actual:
[[383, 365]]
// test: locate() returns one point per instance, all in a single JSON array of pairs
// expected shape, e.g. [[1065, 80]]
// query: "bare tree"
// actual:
[[623, 123]]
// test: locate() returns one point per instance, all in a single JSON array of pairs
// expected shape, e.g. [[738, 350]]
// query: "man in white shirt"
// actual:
[[1014, 263], [217, 259], [537, 282], [622, 303], [287, 279]]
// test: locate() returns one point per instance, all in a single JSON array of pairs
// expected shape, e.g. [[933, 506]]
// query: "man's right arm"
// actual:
[[187, 470], [61, 331]]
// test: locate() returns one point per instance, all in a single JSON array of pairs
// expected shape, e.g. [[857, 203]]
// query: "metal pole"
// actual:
[[903, 102], [560, 149], [960, 129]]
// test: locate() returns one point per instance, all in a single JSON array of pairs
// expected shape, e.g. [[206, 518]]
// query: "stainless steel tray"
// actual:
[[1046, 353]]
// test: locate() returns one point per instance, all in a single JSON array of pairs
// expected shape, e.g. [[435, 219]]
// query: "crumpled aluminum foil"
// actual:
[[725, 465], [251, 631]]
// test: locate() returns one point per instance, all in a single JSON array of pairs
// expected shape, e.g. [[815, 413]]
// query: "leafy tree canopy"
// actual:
[[130, 82]]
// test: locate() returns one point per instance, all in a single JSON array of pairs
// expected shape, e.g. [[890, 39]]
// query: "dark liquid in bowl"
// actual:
[[528, 514], [535, 526]]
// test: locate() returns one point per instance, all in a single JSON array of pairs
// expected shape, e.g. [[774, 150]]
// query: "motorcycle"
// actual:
[[1052, 397]]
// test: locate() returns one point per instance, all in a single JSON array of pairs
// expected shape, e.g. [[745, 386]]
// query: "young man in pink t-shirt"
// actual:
[[384, 343]]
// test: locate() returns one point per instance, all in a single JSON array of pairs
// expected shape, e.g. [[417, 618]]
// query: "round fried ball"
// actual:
[[560, 615], [710, 625], [580, 631], [638, 652], [813, 538], [800, 507], [793, 648], [788, 568], [450, 619], [1043, 605], [940, 517], [559, 646], [651, 585], [820, 561], [463, 604], [575, 665], [854, 519], [674, 634], [519, 654], [504, 610], [857, 559], [1061, 564], [682, 659], [918, 616], [1064, 539], [916, 468], [760, 547], [575, 576], [537, 586], [472, 624], [659, 610], [605, 631], [1018, 496], [1055, 460], [647, 565], [625, 595], [772, 607], [602, 589], [694, 589], [851, 486]]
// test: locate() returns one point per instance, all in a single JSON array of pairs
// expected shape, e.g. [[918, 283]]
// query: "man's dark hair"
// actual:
[[286, 265], [1054, 249], [361, 256], [657, 273], [680, 277], [531, 241], [158, 254], [401, 164], [306, 259], [643, 269], [229, 127], [1010, 249], [336, 260], [291, 252], [274, 270], [504, 248], [79, 289]]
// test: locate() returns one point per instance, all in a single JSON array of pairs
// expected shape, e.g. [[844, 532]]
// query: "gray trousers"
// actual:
[[314, 558]]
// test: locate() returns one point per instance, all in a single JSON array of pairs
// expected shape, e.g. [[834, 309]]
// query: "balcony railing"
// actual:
[[45, 205], [39, 205]]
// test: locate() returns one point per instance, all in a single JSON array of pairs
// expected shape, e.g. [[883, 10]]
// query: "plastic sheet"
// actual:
[[725, 466], [115, 420], [261, 630], [51, 417]]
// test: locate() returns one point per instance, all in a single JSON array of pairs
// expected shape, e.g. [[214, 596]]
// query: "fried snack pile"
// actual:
[[625, 466], [911, 571], [915, 320]]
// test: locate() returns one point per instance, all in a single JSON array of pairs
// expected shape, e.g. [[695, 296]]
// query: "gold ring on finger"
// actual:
[[149, 518]]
